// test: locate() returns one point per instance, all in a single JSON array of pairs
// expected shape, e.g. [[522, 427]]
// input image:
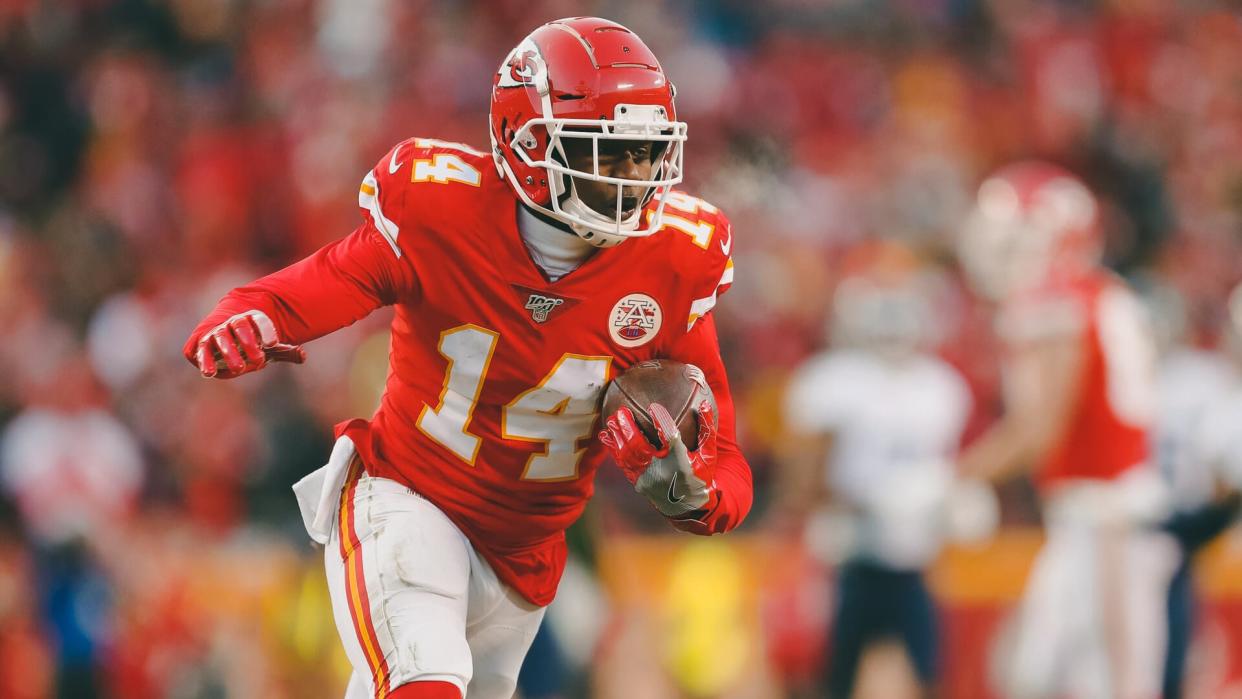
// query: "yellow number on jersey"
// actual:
[[558, 413], [444, 168], [700, 231], [691, 205], [468, 349]]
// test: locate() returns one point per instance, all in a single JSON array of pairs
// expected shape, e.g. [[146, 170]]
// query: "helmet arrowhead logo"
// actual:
[[524, 66]]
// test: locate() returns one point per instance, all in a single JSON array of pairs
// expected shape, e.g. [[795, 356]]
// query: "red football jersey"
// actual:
[[1107, 431], [491, 405]]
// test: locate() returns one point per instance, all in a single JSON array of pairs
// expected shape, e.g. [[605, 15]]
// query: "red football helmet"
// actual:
[[591, 79], [1033, 225]]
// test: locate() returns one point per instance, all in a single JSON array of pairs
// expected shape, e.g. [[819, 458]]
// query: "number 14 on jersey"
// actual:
[[556, 413]]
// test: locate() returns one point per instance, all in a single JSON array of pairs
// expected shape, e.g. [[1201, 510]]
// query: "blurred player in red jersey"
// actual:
[[516, 302], [1079, 401]]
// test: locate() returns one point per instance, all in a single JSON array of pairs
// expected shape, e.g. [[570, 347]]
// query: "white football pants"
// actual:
[[1091, 624], [412, 599]]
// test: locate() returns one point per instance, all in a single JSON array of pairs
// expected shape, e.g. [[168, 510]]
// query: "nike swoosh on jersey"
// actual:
[[393, 165], [726, 245]]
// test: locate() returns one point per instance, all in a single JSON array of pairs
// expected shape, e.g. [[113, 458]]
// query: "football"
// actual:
[[679, 387]]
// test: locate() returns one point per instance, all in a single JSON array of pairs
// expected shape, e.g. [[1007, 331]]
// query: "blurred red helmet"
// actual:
[[1033, 225], [590, 79]]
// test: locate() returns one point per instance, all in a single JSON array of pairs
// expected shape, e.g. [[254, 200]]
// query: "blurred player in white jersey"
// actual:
[[1079, 370], [876, 422], [1218, 442], [1199, 449]]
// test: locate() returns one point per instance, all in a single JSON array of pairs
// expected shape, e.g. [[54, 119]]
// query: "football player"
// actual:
[[1079, 401], [1199, 454], [523, 279], [877, 421]]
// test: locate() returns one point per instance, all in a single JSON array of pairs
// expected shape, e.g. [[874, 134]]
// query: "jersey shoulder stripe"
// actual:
[[369, 202]]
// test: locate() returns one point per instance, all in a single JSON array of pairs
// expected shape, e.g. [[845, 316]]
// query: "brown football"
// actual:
[[679, 387]]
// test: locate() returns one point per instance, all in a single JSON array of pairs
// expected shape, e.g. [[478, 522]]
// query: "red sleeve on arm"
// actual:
[[733, 478], [335, 287]]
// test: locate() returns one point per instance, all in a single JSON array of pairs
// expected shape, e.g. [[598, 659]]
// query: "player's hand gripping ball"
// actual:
[[660, 425]]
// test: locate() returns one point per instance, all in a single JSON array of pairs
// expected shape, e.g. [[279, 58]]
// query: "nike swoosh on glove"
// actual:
[[678, 482], [244, 343]]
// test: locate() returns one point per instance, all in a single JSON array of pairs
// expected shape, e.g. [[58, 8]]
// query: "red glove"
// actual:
[[240, 345], [678, 482]]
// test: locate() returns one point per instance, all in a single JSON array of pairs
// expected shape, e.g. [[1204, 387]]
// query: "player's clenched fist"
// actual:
[[676, 480], [242, 344]]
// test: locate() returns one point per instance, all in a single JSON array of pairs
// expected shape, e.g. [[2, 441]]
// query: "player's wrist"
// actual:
[[704, 511], [675, 490], [700, 522]]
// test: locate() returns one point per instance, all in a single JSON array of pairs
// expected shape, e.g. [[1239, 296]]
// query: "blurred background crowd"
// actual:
[[155, 153]]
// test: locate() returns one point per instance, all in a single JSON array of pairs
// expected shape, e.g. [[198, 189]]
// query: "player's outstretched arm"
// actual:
[[268, 319]]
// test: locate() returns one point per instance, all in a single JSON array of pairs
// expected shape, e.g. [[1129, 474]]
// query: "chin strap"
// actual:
[[575, 207]]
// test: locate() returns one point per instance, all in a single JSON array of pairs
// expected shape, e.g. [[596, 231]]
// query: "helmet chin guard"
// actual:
[[631, 123], [593, 80]]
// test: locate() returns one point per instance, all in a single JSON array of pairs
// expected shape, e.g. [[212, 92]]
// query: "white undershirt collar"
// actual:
[[557, 251]]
